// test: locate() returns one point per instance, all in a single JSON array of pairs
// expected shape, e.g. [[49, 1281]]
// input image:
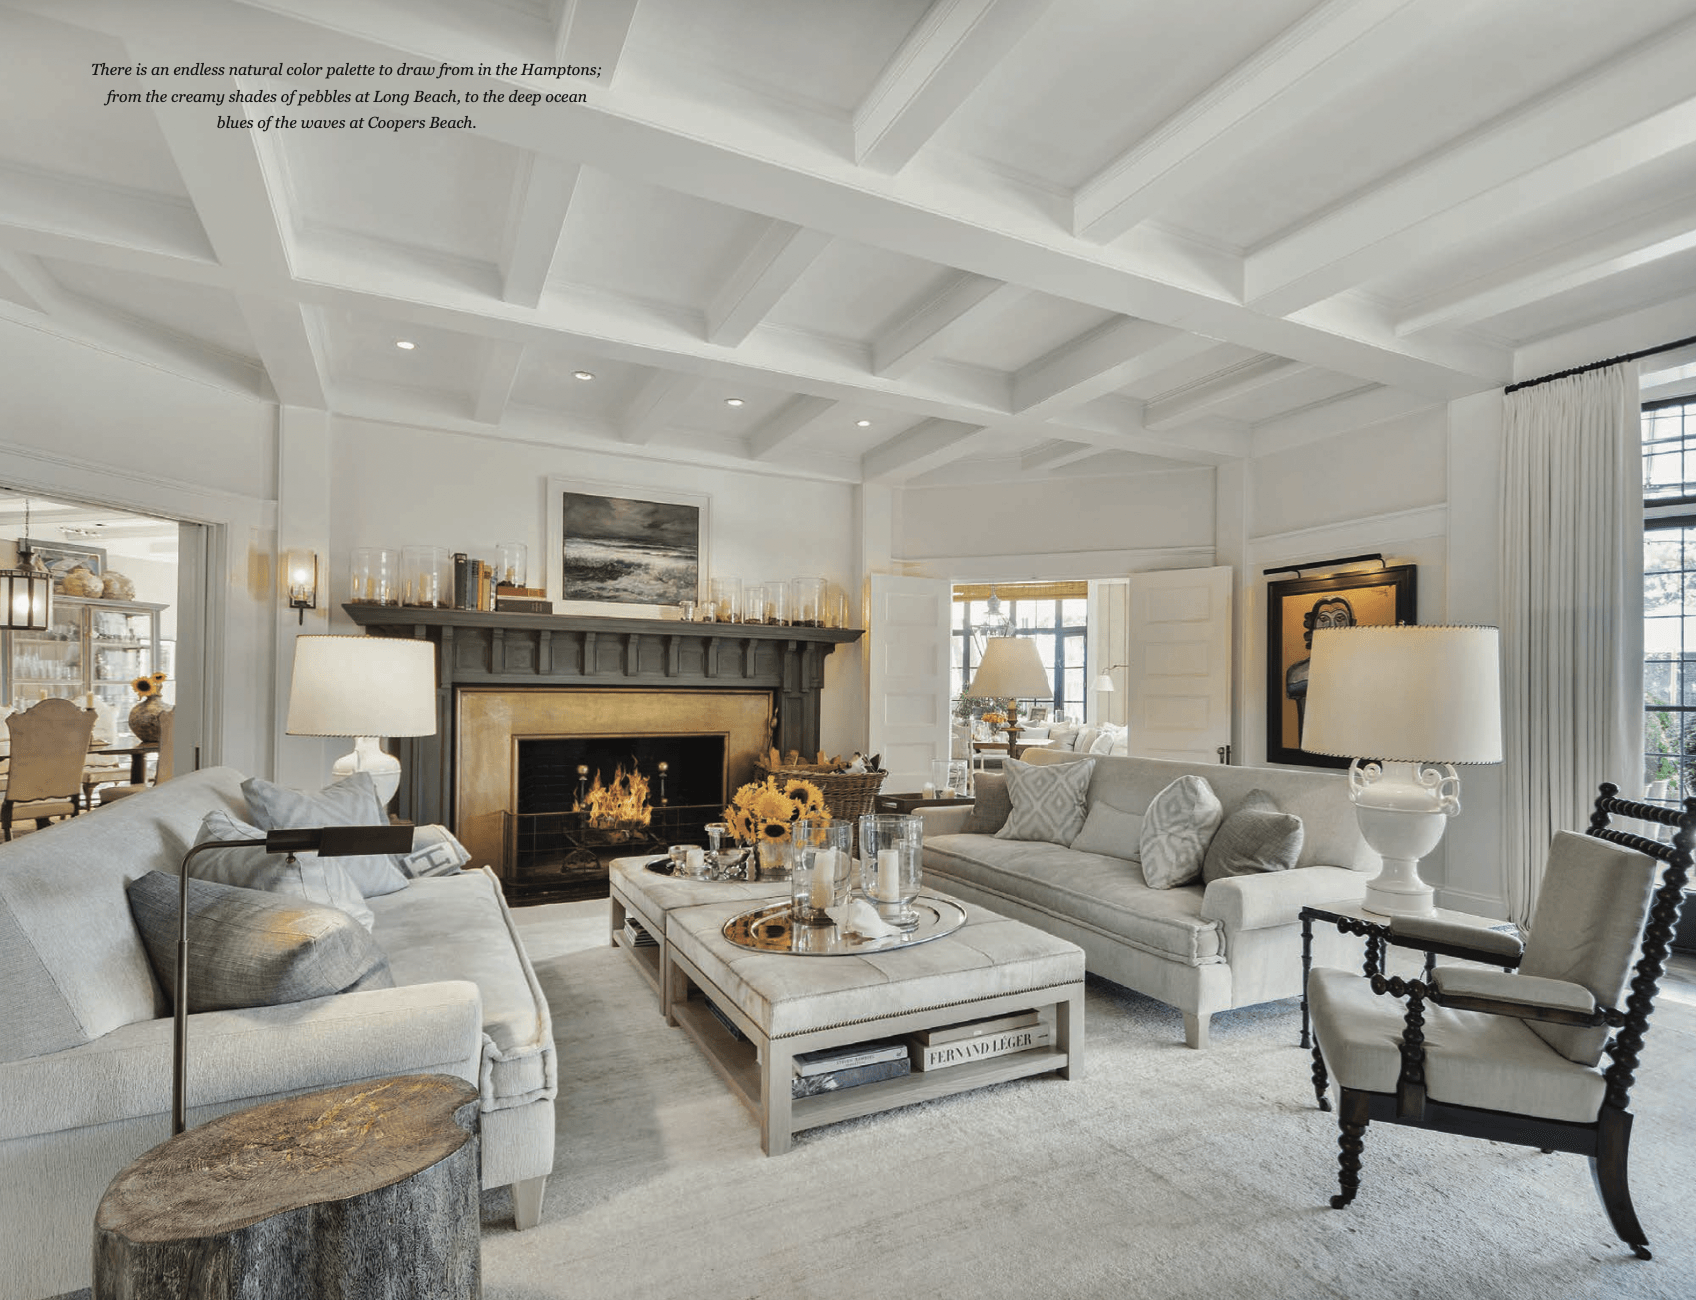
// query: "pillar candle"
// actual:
[[928, 790], [697, 861], [889, 875], [823, 893]]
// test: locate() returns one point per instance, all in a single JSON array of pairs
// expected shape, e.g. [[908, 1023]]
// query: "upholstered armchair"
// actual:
[[49, 748], [1516, 1055]]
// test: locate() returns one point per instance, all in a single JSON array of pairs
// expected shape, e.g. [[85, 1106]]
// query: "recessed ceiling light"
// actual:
[[405, 345], [583, 374], [864, 424], [733, 401]]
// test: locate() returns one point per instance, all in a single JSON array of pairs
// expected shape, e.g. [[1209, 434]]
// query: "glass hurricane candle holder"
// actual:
[[727, 600], [427, 577], [777, 603], [374, 577], [820, 875], [806, 602], [512, 564], [890, 850], [753, 603]]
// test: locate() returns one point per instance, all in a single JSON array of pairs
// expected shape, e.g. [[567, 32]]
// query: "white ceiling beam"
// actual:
[[924, 447], [535, 226], [1646, 327], [1574, 265], [290, 340], [1060, 451], [1634, 109], [593, 33], [1216, 390], [955, 46], [24, 281], [501, 360], [656, 404], [778, 259], [939, 321], [787, 422], [1342, 414], [1206, 138], [1105, 359]]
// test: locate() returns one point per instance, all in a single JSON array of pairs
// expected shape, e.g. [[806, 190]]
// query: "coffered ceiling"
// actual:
[[960, 240]]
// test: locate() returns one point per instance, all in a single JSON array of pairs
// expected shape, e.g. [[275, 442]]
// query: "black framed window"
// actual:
[[1669, 600], [1060, 628]]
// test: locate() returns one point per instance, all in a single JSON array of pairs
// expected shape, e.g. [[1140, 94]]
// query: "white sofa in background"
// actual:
[[1232, 943], [85, 1027]]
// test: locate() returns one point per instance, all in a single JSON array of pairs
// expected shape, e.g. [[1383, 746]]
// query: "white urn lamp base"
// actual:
[[1403, 814], [369, 756]]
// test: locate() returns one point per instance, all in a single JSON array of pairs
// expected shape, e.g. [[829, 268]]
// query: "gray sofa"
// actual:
[[85, 1029], [1234, 943]]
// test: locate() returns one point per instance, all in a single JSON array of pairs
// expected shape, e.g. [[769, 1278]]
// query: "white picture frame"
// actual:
[[599, 519]]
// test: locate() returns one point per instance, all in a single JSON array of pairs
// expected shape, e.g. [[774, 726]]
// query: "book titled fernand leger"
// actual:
[[939, 1056]]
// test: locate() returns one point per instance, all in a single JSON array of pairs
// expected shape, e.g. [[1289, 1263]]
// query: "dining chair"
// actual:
[[162, 768], [1514, 1055], [49, 744]]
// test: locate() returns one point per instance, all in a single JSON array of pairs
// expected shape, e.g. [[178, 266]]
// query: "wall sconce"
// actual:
[[300, 571]]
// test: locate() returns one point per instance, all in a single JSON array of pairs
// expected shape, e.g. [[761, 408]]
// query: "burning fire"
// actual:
[[623, 803]]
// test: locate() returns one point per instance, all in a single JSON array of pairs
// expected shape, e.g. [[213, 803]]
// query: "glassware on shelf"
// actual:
[[820, 868], [753, 602], [374, 577], [512, 564], [727, 600], [807, 606], [891, 846], [427, 577], [777, 603]]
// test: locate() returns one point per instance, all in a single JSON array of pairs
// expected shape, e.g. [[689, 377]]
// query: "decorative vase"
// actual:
[[772, 857], [145, 718]]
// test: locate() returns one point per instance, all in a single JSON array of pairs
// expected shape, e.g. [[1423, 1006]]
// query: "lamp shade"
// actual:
[[1104, 683], [1011, 670], [363, 686], [1405, 694]]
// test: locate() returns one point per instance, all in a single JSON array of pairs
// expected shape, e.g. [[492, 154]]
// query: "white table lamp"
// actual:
[[366, 687], [1011, 670], [1403, 702]]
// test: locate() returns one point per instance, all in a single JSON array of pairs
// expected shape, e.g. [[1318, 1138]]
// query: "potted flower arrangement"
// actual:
[[144, 717], [762, 812]]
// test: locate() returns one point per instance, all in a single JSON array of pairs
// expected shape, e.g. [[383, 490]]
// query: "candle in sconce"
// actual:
[[823, 891], [889, 875]]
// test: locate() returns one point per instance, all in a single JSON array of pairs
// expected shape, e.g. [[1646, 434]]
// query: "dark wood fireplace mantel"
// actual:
[[570, 650]]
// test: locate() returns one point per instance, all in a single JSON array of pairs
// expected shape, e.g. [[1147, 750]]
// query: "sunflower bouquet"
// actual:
[[765, 810], [995, 720], [150, 686]]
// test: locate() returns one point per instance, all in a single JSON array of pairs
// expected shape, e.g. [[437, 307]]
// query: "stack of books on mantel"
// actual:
[[978, 1040], [830, 1069]]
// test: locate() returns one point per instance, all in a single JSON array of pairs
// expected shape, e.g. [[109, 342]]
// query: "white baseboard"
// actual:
[[1461, 900]]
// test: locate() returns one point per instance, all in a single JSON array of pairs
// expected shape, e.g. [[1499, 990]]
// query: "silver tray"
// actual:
[[770, 929], [663, 867]]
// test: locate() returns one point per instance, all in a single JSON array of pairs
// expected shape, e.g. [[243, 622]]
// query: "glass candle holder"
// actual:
[[777, 603], [820, 862], [807, 601], [727, 600], [426, 577], [890, 850], [374, 578], [753, 603], [512, 564]]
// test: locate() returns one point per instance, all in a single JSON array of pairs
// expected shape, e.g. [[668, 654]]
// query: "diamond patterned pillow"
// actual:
[[1176, 831], [1048, 801]]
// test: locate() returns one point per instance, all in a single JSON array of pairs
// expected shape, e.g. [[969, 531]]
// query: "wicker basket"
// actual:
[[846, 794]]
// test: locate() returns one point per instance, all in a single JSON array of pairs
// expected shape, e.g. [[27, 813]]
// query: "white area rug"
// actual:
[[1162, 1172]]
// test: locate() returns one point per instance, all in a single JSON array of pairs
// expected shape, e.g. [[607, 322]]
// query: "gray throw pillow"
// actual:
[[248, 948], [301, 875], [990, 804], [1254, 838], [1112, 832], [351, 801], [435, 852], [1176, 829], [1048, 801]]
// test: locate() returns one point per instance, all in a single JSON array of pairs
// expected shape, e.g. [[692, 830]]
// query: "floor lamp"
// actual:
[[1414, 699], [365, 687]]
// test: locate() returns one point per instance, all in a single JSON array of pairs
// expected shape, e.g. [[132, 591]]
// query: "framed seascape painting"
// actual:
[[622, 551], [1294, 610]]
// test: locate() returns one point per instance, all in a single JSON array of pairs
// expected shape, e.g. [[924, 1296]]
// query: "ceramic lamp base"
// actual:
[[368, 756], [1402, 817]]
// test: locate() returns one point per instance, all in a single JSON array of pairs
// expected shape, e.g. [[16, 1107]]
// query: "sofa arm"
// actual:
[[1270, 898], [945, 821], [255, 1052]]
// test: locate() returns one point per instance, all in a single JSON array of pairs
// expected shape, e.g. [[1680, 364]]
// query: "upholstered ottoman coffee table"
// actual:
[[786, 1004], [648, 896]]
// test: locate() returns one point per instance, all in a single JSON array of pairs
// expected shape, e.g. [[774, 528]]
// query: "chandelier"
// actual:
[[26, 590]]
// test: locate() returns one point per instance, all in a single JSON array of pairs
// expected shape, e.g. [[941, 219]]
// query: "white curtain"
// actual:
[[1572, 611]]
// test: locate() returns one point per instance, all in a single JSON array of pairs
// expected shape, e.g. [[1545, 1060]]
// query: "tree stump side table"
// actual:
[[368, 1191]]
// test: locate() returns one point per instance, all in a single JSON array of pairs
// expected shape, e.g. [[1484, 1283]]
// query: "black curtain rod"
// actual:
[[1600, 365]]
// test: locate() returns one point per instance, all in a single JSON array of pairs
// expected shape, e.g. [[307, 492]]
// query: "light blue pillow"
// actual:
[[301, 875], [352, 801]]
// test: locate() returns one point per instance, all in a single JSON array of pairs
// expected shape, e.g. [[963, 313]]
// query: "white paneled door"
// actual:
[[1179, 674], [908, 652]]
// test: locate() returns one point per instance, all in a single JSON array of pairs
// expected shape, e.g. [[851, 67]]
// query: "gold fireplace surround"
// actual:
[[490, 721]]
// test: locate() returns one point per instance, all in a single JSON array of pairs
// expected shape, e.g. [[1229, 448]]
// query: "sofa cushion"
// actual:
[[249, 948], [72, 964], [459, 925], [1112, 832], [990, 803], [1176, 831], [436, 851], [1048, 802], [351, 801], [1090, 889], [300, 875], [1255, 837]]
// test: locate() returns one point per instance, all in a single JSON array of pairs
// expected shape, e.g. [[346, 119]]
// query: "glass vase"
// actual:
[[770, 859], [806, 602], [890, 850], [512, 564], [820, 858], [374, 578], [426, 577]]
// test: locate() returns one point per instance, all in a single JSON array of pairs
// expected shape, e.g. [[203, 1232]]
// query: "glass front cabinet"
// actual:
[[93, 645]]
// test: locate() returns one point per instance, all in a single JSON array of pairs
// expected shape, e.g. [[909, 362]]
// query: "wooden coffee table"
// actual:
[[787, 1004]]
